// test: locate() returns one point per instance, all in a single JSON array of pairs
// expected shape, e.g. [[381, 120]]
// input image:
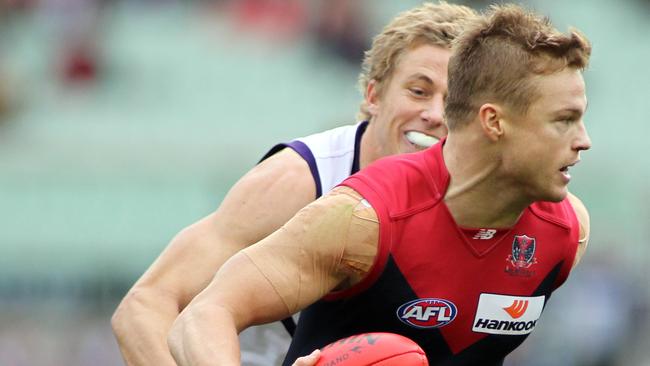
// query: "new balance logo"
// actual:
[[485, 234], [517, 309]]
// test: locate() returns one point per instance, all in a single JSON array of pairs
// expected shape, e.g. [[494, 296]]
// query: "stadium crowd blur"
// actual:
[[123, 121]]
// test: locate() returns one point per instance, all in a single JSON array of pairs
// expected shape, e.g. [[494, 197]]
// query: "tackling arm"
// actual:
[[328, 245], [257, 205]]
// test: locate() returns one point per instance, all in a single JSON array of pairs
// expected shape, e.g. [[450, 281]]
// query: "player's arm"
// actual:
[[330, 244], [262, 201], [583, 219]]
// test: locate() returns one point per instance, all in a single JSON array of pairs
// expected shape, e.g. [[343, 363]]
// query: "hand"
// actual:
[[309, 360]]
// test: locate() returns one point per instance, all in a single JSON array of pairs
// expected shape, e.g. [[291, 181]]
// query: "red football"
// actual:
[[381, 349]]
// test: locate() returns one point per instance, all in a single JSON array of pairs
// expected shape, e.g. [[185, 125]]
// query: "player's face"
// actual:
[[542, 145], [407, 115]]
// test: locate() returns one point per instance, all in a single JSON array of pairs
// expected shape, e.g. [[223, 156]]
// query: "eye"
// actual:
[[564, 124], [418, 92], [566, 120]]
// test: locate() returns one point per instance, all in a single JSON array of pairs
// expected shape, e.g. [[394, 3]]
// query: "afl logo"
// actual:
[[427, 313]]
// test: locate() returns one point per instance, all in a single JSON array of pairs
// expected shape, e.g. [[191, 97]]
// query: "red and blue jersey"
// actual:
[[466, 300]]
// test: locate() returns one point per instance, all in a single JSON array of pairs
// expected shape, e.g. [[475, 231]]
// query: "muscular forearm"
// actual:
[[141, 324], [205, 334]]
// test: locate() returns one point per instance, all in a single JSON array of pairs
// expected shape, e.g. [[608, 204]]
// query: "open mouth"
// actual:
[[565, 172], [565, 169], [420, 139]]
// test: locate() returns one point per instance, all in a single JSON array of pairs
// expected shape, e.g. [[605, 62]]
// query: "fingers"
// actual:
[[309, 360]]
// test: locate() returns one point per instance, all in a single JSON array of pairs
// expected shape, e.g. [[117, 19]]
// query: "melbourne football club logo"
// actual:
[[427, 313], [522, 256]]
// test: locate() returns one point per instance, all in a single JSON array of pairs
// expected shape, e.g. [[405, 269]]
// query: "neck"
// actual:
[[369, 151], [479, 194]]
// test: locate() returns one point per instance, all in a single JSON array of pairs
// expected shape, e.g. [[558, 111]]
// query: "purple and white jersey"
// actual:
[[332, 155]]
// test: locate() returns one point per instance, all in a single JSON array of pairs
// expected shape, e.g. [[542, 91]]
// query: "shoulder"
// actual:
[[580, 210], [583, 219], [400, 182], [268, 195], [344, 133], [335, 143], [286, 161], [344, 214], [564, 213], [343, 201], [284, 172], [341, 206], [395, 168]]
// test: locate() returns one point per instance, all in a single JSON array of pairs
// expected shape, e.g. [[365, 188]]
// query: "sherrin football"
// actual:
[[380, 349]]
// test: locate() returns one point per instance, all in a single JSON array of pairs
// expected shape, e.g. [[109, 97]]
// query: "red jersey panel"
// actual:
[[463, 300]]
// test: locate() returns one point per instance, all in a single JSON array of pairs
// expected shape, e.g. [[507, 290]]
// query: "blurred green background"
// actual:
[[121, 122]]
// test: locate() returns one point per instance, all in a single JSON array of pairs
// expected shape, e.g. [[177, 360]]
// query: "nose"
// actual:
[[583, 141], [433, 115]]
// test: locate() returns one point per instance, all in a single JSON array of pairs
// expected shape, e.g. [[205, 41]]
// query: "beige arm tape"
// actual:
[[329, 244]]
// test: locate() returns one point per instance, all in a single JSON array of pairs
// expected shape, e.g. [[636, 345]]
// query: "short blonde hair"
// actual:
[[497, 56], [434, 24]]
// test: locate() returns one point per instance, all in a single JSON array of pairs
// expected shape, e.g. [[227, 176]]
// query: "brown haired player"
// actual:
[[457, 247]]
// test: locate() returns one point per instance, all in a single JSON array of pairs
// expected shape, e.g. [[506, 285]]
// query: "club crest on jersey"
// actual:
[[427, 313], [522, 256]]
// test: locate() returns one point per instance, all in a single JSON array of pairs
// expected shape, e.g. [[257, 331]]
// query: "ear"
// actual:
[[372, 97], [491, 119]]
